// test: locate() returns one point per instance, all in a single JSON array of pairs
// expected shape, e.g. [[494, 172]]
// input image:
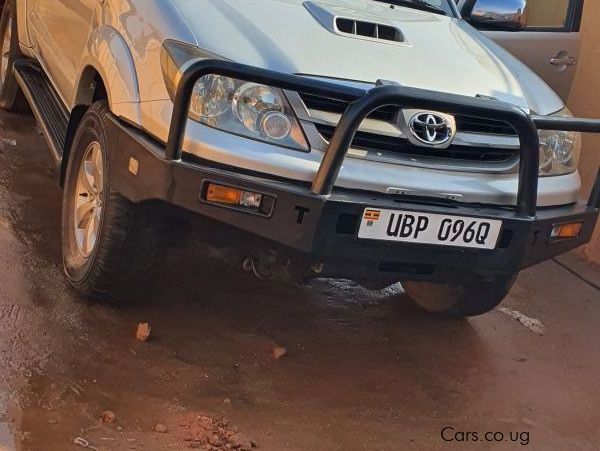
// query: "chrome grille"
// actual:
[[484, 126], [337, 106], [480, 144], [365, 140]]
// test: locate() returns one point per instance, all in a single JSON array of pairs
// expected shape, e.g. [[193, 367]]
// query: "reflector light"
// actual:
[[249, 199]]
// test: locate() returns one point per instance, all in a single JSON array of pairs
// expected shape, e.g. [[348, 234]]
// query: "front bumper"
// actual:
[[323, 229], [318, 223]]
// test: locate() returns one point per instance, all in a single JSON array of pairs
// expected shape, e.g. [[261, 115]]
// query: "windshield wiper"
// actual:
[[417, 4]]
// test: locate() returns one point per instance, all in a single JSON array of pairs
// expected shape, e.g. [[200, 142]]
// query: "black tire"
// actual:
[[11, 96], [129, 244], [472, 298]]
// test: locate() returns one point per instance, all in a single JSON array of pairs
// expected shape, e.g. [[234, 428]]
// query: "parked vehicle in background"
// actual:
[[379, 141]]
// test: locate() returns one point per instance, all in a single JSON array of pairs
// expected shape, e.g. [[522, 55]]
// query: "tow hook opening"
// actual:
[[271, 266]]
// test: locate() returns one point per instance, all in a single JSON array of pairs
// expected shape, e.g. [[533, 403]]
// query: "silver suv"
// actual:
[[375, 140]]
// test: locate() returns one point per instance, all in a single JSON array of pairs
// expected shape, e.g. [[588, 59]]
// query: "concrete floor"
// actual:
[[364, 370]]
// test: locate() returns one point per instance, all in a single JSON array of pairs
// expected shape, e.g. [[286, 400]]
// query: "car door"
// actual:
[[59, 30], [544, 34]]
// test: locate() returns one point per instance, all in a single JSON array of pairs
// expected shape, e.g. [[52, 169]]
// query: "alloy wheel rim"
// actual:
[[6, 40], [88, 203]]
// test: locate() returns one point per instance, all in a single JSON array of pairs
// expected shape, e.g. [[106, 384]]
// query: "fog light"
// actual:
[[571, 230]]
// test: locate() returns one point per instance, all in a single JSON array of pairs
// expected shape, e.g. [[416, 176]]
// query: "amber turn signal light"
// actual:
[[238, 198], [561, 231], [223, 194]]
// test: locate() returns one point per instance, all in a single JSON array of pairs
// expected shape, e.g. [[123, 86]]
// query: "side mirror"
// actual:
[[496, 14]]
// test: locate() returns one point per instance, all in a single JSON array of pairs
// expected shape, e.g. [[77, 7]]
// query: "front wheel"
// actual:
[[111, 247], [459, 300]]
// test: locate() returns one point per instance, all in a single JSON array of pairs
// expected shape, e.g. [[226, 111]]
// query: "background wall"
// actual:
[[585, 101], [547, 12]]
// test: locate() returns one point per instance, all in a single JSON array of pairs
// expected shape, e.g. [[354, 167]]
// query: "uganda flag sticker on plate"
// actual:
[[371, 216]]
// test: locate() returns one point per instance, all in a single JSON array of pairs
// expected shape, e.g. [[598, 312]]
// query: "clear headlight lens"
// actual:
[[261, 110], [559, 150], [236, 106], [211, 97]]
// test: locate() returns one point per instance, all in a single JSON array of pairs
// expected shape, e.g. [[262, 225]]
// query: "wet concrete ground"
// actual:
[[364, 371]]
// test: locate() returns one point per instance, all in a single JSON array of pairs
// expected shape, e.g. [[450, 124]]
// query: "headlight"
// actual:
[[236, 106], [559, 150]]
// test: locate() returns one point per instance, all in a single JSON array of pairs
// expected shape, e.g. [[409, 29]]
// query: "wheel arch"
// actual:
[[107, 73], [108, 54]]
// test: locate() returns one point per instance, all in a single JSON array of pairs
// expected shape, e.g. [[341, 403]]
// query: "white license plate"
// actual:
[[425, 228]]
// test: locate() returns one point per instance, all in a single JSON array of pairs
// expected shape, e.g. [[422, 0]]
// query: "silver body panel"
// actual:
[[122, 39]]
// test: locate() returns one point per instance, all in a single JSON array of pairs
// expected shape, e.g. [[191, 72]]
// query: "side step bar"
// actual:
[[48, 109]]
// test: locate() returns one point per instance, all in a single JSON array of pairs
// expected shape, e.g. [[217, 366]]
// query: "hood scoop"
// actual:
[[355, 23], [368, 30]]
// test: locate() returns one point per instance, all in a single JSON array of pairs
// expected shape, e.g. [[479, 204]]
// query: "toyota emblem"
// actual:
[[431, 128]]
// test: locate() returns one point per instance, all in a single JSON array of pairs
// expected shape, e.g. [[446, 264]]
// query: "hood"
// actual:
[[439, 53]]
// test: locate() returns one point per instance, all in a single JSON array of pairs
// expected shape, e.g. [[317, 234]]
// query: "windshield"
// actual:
[[440, 6]]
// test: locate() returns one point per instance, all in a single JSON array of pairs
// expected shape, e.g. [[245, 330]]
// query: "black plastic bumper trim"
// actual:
[[306, 220], [309, 224]]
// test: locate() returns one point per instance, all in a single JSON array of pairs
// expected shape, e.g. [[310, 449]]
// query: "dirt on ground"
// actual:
[[236, 363]]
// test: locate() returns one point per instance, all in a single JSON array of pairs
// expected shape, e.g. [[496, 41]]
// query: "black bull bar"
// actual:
[[363, 102]]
